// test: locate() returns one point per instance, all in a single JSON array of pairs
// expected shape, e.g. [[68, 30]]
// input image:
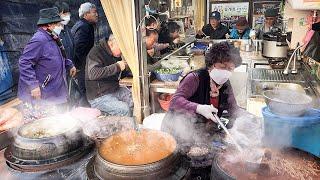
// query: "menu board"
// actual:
[[230, 12], [259, 8]]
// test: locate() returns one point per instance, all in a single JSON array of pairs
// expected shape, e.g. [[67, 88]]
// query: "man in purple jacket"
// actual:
[[43, 64]]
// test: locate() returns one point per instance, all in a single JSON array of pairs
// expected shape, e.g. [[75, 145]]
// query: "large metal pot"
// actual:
[[162, 169], [217, 173], [271, 49], [274, 45], [46, 139], [287, 102], [276, 164]]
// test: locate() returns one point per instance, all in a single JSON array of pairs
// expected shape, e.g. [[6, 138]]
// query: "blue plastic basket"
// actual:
[[198, 45], [300, 132], [168, 77]]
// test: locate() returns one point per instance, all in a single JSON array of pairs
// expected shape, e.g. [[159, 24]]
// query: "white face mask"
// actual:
[[66, 19], [57, 30], [1, 43], [220, 76]]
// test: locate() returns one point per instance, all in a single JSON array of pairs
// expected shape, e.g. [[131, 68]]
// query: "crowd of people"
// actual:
[[216, 30], [58, 54]]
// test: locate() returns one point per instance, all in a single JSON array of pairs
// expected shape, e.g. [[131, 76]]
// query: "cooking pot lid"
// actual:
[[137, 148]]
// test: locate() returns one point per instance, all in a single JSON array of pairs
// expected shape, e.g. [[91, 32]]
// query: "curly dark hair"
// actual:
[[150, 32], [222, 52], [150, 20]]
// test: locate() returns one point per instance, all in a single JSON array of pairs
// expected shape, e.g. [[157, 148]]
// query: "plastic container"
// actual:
[[197, 51], [168, 77], [164, 101], [199, 45], [298, 132]]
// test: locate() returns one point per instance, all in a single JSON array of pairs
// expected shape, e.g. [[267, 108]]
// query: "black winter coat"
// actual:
[[83, 36]]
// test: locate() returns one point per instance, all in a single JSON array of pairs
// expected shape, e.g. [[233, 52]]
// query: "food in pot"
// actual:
[[47, 127], [275, 164], [198, 151], [168, 71], [174, 62], [41, 133], [137, 148]]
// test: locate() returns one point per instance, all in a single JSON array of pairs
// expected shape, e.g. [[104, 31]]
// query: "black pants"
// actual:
[[80, 81]]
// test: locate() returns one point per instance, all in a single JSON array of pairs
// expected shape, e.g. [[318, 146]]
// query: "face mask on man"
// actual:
[[57, 30], [66, 19], [220, 76]]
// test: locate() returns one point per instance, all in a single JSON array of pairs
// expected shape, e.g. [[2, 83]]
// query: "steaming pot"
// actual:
[[121, 157], [274, 45], [47, 138]]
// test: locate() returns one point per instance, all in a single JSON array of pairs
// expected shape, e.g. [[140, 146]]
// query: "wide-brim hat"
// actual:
[[49, 15]]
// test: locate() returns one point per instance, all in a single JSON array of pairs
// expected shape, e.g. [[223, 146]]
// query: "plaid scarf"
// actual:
[[58, 41]]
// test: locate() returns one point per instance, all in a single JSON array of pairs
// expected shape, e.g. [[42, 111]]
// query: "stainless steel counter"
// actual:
[[261, 79]]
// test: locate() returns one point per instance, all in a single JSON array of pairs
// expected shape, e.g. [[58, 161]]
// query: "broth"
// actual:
[[137, 148], [286, 164], [47, 127]]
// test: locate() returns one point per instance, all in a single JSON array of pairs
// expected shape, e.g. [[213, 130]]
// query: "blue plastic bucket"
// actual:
[[299, 132]]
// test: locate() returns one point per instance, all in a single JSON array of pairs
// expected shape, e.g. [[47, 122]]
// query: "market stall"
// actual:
[[274, 134]]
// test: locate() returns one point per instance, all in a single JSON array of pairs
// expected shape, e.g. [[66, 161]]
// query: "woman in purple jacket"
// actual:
[[202, 93], [43, 64]]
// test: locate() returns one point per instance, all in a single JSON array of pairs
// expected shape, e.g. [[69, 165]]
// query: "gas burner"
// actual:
[[276, 59], [277, 63], [49, 164]]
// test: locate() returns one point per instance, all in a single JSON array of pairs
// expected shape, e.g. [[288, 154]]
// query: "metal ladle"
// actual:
[[252, 166], [228, 133]]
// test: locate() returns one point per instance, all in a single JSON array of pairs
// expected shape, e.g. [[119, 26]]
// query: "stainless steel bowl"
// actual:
[[287, 102]]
